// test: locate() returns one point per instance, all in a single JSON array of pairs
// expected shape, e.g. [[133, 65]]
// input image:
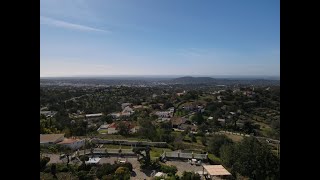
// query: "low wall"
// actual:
[[127, 142], [180, 155]]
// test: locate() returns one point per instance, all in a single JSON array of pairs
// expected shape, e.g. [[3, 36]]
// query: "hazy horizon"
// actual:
[[166, 76], [131, 38]]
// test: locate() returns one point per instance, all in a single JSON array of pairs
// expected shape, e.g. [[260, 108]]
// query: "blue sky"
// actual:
[[159, 37]]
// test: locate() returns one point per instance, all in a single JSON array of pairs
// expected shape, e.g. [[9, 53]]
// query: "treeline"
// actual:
[[250, 157]]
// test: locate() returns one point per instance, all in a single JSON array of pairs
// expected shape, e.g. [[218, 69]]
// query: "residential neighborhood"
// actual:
[[178, 132], [159, 90]]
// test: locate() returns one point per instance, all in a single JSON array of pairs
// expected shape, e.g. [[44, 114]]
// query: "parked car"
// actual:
[[198, 163]]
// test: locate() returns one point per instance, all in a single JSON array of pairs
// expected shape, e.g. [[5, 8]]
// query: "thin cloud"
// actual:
[[67, 25]]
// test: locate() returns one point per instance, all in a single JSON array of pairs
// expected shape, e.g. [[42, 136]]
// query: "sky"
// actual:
[[159, 37]]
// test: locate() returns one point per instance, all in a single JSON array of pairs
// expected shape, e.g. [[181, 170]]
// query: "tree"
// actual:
[[147, 129], [193, 138], [204, 140], [228, 154], [216, 142], [198, 118], [256, 160], [123, 128], [122, 173], [83, 159], [107, 119], [146, 157], [43, 162], [186, 131], [248, 127], [190, 176], [178, 142], [251, 158], [167, 105], [169, 169], [202, 128], [53, 170]]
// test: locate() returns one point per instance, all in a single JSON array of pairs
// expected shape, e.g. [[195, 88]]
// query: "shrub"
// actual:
[[122, 173], [190, 176], [127, 165], [168, 169], [82, 175], [47, 169], [107, 177]]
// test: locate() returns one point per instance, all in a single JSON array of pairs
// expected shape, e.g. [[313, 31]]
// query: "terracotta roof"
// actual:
[[216, 170], [47, 138], [68, 141], [113, 125]]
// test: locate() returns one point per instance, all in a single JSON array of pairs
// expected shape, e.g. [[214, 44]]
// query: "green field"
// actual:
[[104, 131]]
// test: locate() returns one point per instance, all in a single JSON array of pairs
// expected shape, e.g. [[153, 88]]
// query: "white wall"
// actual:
[[112, 130]]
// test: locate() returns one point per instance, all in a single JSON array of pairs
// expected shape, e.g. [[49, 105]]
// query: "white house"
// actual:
[[164, 114], [123, 105], [127, 110], [171, 109], [104, 127], [93, 115], [72, 143]]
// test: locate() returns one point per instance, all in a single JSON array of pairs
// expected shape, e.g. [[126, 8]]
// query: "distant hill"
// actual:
[[221, 81], [154, 81], [193, 80]]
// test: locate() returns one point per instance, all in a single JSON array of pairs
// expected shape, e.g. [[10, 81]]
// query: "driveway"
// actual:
[[184, 166]]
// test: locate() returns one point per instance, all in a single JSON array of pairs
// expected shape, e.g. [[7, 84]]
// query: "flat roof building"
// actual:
[[51, 138], [214, 171]]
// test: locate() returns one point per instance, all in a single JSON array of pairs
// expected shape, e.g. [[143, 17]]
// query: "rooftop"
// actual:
[[216, 170], [104, 126], [68, 141], [93, 115], [93, 160], [178, 120], [46, 138]]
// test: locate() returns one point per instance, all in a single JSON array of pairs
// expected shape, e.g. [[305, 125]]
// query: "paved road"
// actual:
[[184, 166]]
